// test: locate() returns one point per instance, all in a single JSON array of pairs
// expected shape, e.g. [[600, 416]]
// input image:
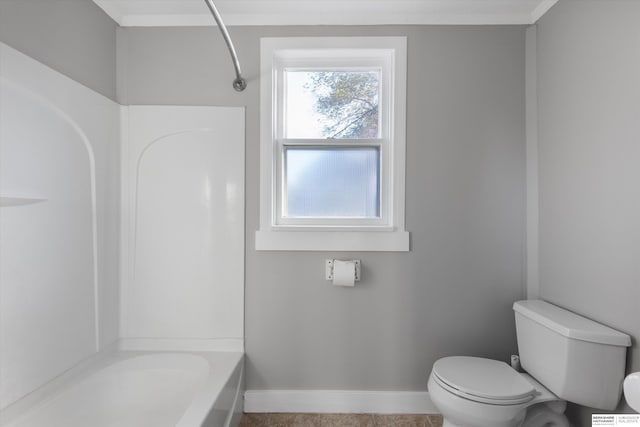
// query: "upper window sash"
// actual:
[[345, 60]]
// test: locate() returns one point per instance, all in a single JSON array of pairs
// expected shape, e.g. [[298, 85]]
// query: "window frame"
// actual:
[[384, 233], [343, 60]]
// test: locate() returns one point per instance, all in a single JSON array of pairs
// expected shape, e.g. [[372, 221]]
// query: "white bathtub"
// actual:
[[144, 389]]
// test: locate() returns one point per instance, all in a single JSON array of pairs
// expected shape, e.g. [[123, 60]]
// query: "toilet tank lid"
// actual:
[[570, 324]]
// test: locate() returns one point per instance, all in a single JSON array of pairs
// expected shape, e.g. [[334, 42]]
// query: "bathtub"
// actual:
[[144, 389]]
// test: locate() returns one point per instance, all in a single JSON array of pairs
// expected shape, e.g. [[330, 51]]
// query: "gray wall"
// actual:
[[74, 37], [589, 154], [452, 293]]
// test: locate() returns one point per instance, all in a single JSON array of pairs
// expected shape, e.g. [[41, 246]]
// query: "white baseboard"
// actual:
[[339, 401]]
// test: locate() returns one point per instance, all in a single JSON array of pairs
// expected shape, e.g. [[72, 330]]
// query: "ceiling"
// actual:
[[143, 13]]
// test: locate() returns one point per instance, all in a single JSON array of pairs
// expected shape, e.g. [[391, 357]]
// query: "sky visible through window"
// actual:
[[302, 121], [332, 104]]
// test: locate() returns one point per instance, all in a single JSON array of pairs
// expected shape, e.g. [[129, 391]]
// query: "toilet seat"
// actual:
[[482, 380]]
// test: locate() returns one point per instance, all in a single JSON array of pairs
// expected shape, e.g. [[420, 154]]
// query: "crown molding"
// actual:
[[542, 8], [148, 13]]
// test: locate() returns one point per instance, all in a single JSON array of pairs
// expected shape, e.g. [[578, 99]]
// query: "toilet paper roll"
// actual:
[[344, 273]]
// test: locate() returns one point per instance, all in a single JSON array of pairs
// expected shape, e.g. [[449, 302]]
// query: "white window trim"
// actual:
[[390, 236]]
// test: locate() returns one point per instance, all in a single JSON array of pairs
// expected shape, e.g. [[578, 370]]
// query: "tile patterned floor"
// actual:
[[339, 420]]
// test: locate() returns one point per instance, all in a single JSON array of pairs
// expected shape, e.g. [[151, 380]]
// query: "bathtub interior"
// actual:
[[122, 228]]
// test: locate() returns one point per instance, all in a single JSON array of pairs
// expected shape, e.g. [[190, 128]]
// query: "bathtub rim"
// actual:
[[226, 362]]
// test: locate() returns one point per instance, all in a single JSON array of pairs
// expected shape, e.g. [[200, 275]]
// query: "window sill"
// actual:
[[374, 241]]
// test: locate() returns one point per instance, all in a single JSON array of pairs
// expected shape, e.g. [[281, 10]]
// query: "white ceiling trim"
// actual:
[[541, 9], [145, 13]]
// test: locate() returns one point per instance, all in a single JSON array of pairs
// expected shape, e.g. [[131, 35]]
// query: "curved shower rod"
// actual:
[[239, 83]]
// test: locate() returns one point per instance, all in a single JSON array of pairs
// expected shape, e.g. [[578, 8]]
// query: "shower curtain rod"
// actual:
[[239, 83]]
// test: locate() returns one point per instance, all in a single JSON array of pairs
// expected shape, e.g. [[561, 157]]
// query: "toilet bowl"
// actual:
[[566, 357], [478, 392]]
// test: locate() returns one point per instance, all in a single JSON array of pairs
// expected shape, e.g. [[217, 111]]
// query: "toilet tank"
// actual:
[[579, 360]]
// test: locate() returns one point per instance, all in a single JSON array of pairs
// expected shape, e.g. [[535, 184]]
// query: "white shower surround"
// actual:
[[64, 174], [54, 297], [183, 236]]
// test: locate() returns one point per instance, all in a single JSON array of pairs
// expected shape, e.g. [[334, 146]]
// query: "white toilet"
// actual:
[[566, 358]]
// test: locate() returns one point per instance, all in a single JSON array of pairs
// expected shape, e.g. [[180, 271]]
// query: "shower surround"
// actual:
[[122, 234]]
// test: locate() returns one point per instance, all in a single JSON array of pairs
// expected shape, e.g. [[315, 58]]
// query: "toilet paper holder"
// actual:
[[328, 269]]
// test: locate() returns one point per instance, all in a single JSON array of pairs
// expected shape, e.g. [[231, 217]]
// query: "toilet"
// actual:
[[565, 357]]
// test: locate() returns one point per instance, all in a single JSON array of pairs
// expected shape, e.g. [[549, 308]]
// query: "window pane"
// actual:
[[326, 182], [332, 104]]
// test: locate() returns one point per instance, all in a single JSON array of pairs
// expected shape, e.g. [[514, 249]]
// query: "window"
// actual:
[[332, 144]]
